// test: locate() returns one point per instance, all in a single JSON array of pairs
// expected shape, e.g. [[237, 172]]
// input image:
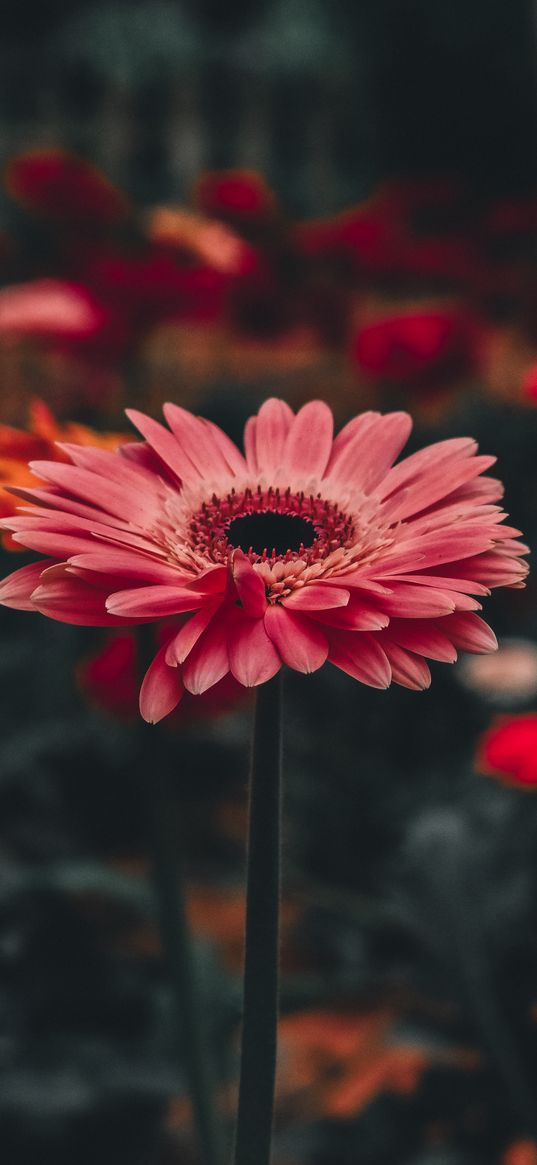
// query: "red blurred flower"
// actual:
[[50, 309], [509, 750], [66, 190], [362, 238], [110, 679], [529, 384], [236, 196], [145, 287], [412, 343]]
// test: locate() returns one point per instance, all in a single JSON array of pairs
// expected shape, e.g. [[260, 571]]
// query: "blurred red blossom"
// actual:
[[110, 679], [50, 309], [424, 285], [509, 750], [236, 196], [529, 384], [409, 343], [58, 186]]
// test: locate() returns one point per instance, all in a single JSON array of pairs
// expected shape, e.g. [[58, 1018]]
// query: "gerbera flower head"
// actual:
[[303, 549]]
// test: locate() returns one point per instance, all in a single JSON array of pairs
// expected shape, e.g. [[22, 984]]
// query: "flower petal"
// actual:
[[164, 444], [316, 597], [470, 633], [423, 638], [436, 483], [161, 690], [253, 657], [309, 441], [370, 451], [181, 645], [153, 602], [195, 439], [272, 425], [250, 585], [208, 661], [113, 497], [70, 599], [360, 656], [302, 644], [121, 563], [16, 589], [408, 670], [250, 444]]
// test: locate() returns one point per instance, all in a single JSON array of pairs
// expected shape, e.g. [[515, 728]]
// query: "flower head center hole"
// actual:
[[271, 533]]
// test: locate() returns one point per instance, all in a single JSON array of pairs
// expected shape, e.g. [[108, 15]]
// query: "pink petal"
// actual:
[[253, 657], [414, 467], [55, 503], [302, 644], [120, 563], [354, 617], [250, 444], [495, 570], [181, 645], [55, 545], [357, 427], [141, 454], [390, 437], [408, 670], [196, 440], [316, 597], [164, 444], [358, 615], [368, 455], [438, 482], [153, 602], [360, 656], [112, 497], [409, 601], [309, 441], [470, 633], [445, 582], [272, 425], [235, 461], [208, 661], [69, 599], [110, 465], [423, 638], [161, 690], [15, 590], [250, 585], [429, 550]]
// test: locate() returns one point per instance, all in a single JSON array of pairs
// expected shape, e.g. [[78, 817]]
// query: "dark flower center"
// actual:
[[271, 532]]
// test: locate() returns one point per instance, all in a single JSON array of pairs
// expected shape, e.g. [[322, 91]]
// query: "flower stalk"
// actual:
[[261, 966]]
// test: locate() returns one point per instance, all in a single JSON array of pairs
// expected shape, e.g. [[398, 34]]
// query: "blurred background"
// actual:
[[212, 204]]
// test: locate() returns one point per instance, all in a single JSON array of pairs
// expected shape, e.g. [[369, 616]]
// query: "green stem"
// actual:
[[189, 1033], [261, 974]]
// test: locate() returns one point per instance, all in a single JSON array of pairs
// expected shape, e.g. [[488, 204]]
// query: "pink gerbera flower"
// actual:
[[305, 549]]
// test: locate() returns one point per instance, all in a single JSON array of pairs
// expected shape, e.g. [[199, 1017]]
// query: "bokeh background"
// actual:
[[212, 204]]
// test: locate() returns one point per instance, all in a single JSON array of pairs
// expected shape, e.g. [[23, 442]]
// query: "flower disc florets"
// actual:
[[305, 548]]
